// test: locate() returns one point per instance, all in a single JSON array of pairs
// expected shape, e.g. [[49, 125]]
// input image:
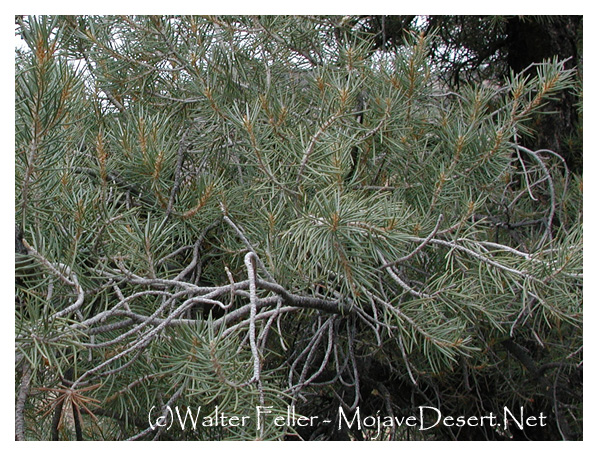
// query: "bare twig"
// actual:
[[177, 178], [65, 274], [418, 249], [482, 258], [249, 264], [400, 281], [22, 396], [310, 148], [536, 158], [247, 244]]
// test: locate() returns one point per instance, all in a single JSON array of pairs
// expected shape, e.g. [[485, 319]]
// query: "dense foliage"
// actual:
[[473, 49], [242, 212]]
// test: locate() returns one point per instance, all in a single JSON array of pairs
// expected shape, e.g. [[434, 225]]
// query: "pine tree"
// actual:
[[232, 213]]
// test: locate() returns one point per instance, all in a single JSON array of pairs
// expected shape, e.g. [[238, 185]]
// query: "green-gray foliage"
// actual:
[[400, 234]]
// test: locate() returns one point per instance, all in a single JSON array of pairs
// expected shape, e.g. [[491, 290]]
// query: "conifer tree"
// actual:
[[232, 213]]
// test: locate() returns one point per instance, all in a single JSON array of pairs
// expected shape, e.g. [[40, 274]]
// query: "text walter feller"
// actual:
[[427, 417]]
